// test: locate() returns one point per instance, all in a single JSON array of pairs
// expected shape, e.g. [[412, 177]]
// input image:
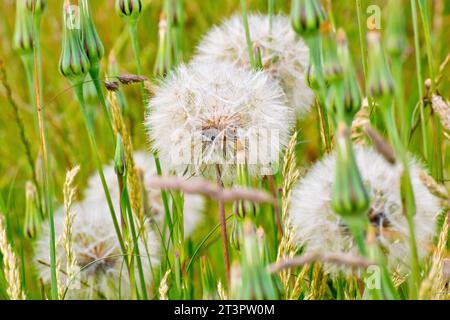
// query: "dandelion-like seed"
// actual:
[[102, 268], [284, 55], [210, 117], [153, 204], [321, 230]]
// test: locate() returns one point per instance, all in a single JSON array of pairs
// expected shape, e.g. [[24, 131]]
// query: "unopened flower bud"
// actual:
[[32, 216], [23, 35], [235, 234], [380, 81], [349, 198], [332, 69], [307, 16], [258, 57], [396, 40], [120, 164], [37, 7], [129, 8], [351, 92], [73, 63], [92, 44]]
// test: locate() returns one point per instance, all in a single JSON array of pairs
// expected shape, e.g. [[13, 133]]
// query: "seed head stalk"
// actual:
[[48, 186], [132, 29], [425, 138], [78, 87], [437, 154]]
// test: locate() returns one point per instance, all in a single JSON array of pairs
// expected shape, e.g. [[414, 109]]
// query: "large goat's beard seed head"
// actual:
[[319, 229], [284, 56], [207, 118]]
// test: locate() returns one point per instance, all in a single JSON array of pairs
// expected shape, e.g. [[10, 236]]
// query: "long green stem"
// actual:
[[424, 126], [48, 188], [247, 33], [408, 200], [95, 76], [362, 41], [90, 130], [135, 243]]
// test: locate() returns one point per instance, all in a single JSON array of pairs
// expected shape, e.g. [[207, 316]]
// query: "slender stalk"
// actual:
[[276, 210], [48, 188], [425, 138], [247, 33], [408, 201], [271, 6], [426, 29], [95, 76], [135, 242], [90, 130], [362, 41], [223, 229], [132, 27]]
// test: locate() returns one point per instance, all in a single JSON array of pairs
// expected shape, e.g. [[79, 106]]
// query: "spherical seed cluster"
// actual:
[[319, 229], [154, 208], [102, 272], [207, 117], [284, 55]]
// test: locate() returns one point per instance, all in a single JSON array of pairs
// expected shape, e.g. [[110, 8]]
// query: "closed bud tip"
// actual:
[[129, 8], [307, 16]]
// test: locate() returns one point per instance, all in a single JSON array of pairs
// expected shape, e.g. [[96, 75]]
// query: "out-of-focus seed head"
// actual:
[[129, 8], [37, 7], [73, 63], [307, 16], [396, 40], [90, 39], [349, 197], [332, 69], [23, 35], [380, 81]]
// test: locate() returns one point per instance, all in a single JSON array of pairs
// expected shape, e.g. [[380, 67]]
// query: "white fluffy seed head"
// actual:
[[193, 204], [102, 271], [284, 56], [209, 116], [319, 229]]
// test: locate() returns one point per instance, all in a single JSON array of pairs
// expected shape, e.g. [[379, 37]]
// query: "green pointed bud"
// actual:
[[235, 234], [350, 91], [258, 57], [129, 8], [73, 63], [349, 197], [380, 81], [208, 279], [32, 217], [332, 69], [307, 16], [256, 280], [36, 7], [396, 40], [312, 78], [242, 207], [120, 164], [90, 39], [23, 35]]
